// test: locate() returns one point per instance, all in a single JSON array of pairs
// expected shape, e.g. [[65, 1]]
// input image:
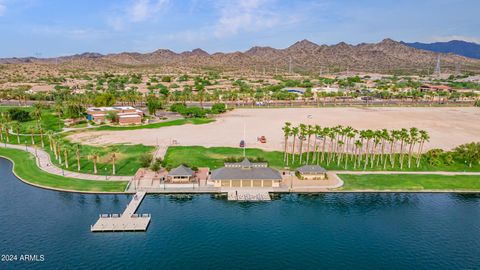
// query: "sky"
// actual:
[[47, 28]]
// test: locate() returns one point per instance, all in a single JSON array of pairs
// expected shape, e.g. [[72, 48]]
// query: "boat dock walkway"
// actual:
[[249, 195], [127, 221]]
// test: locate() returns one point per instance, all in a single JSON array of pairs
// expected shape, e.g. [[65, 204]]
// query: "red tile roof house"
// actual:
[[126, 114], [431, 87]]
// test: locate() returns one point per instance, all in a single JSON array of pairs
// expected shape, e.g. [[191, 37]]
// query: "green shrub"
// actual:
[[145, 160], [17, 114]]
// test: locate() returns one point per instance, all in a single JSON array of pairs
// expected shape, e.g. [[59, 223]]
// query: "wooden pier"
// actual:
[[249, 195], [128, 221]]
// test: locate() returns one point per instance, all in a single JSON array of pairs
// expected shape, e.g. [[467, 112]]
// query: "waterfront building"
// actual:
[[246, 174], [181, 174], [311, 172]]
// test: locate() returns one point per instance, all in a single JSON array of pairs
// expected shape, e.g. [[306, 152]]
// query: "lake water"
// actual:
[[331, 231]]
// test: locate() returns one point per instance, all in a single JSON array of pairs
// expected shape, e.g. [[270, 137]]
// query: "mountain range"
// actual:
[[302, 56], [460, 47]]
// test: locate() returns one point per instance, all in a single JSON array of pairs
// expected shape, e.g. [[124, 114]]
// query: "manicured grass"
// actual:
[[127, 158], [413, 182], [213, 157], [49, 120], [26, 168], [127, 163], [178, 122]]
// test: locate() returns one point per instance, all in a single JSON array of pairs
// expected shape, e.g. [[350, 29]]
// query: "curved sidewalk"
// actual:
[[44, 163]]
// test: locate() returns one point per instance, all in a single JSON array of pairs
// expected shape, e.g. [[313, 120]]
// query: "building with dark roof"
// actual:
[[311, 172], [181, 174], [246, 174]]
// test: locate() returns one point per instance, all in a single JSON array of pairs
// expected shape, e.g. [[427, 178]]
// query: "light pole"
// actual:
[[105, 173]]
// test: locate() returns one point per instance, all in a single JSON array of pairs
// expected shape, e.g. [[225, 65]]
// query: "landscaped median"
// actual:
[[25, 167], [410, 182]]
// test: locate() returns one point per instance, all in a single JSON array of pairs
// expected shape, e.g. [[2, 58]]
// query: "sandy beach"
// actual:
[[448, 127]]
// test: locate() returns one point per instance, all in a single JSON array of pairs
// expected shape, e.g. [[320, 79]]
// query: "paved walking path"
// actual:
[[44, 163]]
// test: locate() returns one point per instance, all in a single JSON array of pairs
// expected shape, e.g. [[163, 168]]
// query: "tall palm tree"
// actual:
[[114, 156], [286, 134], [358, 146], [7, 131], [413, 139], [77, 154], [16, 126], [309, 132], [41, 137], [403, 138], [37, 114], [66, 149], [294, 133], [303, 134], [32, 131], [94, 154], [316, 132], [424, 137]]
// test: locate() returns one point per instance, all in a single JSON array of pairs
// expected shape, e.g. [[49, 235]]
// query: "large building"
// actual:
[[125, 114], [246, 174]]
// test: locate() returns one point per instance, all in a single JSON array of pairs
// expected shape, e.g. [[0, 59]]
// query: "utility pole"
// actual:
[[437, 66], [290, 65]]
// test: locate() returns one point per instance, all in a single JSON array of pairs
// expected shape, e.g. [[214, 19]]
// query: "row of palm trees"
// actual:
[[61, 149], [313, 144]]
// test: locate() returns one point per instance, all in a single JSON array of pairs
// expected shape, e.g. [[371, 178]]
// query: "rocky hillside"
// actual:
[[303, 56]]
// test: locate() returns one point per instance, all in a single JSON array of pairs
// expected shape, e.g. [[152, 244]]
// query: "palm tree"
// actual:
[[37, 114], [303, 134], [66, 148], [286, 134], [114, 156], [32, 131], [424, 137], [16, 126], [7, 131], [413, 139], [295, 132], [77, 154], [403, 138], [49, 134], [310, 132], [316, 132], [41, 137], [325, 133], [94, 154], [358, 146]]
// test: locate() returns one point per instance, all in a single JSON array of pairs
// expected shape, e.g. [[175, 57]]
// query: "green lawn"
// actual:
[[413, 182], [178, 122], [128, 156], [213, 157], [26, 168], [49, 120]]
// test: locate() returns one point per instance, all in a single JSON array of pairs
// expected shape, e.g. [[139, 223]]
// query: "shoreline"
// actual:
[[191, 192]]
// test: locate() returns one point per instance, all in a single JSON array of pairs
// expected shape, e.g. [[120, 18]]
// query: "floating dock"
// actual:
[[248, 195], [128, 221]]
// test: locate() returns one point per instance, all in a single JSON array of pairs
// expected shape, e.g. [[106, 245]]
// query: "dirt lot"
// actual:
[[448, 127]]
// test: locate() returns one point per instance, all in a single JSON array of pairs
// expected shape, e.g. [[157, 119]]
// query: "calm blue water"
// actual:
[[333, 231]]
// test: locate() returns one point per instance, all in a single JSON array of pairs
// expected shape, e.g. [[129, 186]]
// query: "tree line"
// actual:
[[313, 144]]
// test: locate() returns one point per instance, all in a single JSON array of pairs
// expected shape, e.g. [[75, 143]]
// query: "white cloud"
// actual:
[[454, 37], [3, 8], [137, 11], [247, 15]]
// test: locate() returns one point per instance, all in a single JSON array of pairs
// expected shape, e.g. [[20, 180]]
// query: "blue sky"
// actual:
[[57, 27]]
